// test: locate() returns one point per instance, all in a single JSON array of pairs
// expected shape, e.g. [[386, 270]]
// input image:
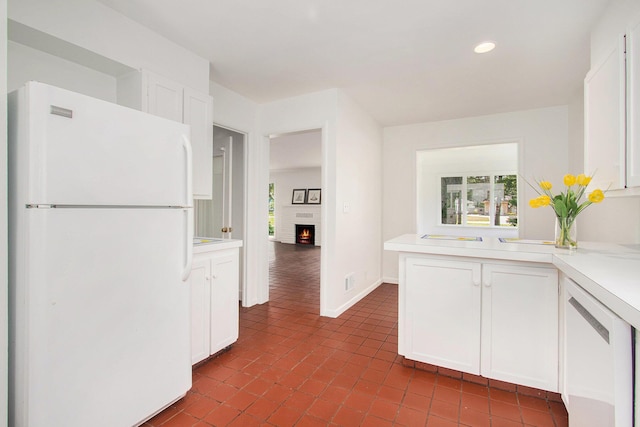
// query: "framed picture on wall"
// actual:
[[299, 196], [313, 196]]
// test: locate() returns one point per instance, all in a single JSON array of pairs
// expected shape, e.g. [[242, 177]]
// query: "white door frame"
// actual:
[[264, 291], [243, 252]]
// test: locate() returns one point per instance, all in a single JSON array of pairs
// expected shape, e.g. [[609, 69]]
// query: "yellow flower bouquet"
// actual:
[[566, 205]]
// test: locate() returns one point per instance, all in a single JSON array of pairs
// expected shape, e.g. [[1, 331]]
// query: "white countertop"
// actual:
[[208, 244], [610, 272], [611, 275], [489, 247]]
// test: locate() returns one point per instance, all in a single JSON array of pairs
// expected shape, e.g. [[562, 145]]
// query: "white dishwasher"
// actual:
[[598, 362]]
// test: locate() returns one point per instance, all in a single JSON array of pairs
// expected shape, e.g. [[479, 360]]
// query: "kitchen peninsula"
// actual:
[[517, 311]]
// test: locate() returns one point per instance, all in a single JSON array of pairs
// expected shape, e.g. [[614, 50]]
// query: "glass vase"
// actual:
[[566, 233]]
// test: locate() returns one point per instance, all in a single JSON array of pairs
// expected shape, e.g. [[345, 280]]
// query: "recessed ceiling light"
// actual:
[[484, 47]]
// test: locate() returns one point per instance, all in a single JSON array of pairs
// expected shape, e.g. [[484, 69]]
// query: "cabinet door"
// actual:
[[224, 300], [164, 97], [604, 104], [200, 284], [198, 114], [442, 306], [633, 106], [520, 325]]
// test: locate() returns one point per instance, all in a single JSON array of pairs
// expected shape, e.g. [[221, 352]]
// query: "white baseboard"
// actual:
[[392, 280], [347, 305]]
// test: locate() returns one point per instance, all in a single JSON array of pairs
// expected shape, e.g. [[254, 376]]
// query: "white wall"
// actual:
[[26, 63], [612, 24], [351, 141], [311, 111], [285, 181], [576, 134], [543, 153], [358, 183], [615, 219], [4, 341], [351, 173], [296, 150], [232, 110], [98, 28]]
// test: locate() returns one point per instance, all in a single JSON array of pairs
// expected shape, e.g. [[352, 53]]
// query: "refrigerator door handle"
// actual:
[[188, 235], [188, 244], [189, 170]]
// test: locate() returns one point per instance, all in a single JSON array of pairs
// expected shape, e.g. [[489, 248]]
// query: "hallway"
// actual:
[[293, 367]]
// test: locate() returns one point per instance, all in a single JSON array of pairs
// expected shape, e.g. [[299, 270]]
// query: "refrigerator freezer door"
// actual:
[[79, 150], [100, 324]]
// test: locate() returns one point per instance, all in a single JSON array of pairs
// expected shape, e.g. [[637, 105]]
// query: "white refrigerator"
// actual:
[[100, 236]]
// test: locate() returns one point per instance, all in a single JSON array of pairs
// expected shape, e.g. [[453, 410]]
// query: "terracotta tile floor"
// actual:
[[291, 367]]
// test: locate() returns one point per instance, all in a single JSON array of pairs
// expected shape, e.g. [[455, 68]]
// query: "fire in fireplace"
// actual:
[[305, 234]]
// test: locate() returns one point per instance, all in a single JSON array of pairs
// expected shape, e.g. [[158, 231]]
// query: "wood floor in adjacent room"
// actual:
[[291, 367]]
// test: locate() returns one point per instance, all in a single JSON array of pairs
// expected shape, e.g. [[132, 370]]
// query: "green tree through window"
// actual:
[[272, 202], [491, 200]]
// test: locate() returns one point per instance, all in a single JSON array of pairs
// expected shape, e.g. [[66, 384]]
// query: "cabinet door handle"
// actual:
[[214, 276], [595, 324], [487, 284], [476, 276]]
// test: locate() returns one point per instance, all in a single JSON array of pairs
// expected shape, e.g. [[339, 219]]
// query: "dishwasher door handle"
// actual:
[[595, 324]]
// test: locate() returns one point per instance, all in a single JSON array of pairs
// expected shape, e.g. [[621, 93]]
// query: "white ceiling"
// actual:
[[296, 150], [404, 61]]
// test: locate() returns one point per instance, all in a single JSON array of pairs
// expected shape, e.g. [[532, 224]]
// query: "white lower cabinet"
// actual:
[[224, 299], [442, 313], [520, 325], [214, 302], [200, 282], [496, 320]]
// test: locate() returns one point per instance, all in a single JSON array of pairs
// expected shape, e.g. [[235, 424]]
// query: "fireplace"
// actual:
[[305, 234]]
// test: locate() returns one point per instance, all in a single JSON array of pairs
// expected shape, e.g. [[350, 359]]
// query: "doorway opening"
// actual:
[[224, 215], [295, 217]]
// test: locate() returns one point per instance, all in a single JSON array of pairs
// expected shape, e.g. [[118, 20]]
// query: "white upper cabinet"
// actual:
[[612, 115], [197, 112], [633, 106], [162, 97], [604, 105]]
